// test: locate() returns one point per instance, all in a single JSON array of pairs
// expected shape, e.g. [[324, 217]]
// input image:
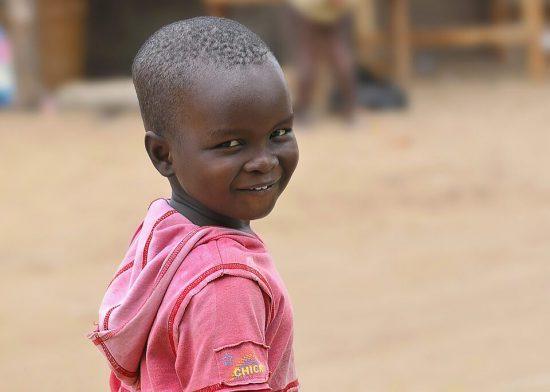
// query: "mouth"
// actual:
[[259, 188]]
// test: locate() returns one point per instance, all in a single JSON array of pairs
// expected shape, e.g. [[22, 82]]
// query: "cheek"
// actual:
[[215, 174], [289, 156]]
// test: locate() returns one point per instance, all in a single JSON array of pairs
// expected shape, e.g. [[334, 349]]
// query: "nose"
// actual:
[[262, 162]]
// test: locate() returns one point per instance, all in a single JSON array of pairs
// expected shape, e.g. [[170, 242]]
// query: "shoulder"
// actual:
[[220, 273], [231, 253]]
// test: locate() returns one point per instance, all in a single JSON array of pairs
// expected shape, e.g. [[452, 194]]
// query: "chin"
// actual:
[[254, 214]]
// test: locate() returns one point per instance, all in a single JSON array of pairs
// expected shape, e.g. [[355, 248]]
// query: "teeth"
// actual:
[[260, 188]]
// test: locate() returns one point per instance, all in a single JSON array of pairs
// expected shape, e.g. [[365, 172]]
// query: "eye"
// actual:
[[229, 144], [280, 132]]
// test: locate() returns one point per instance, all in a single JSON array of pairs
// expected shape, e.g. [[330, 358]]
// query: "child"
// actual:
[[197, 304]]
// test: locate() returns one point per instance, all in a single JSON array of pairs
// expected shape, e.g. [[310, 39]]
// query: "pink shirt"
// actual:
[[196, 309]]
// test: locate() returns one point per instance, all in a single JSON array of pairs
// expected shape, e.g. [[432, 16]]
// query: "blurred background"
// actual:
[[413, 238]]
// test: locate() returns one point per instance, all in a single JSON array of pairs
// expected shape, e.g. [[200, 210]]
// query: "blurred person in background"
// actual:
[[7, 81], [21, 24], [322, 30]]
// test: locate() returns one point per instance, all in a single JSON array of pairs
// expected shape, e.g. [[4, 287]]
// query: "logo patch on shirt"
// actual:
[[242, 363], [247, 366]]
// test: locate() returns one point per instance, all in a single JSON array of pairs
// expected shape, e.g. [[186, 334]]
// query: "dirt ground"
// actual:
[[415, 247]]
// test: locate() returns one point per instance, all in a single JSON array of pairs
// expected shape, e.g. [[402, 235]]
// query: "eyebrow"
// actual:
[[288, 119], [228, 131]]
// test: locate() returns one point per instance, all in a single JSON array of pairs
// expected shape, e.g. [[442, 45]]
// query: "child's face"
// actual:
[[235, 140]]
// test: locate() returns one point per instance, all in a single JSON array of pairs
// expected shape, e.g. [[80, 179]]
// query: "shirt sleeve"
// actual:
[[222, 338]]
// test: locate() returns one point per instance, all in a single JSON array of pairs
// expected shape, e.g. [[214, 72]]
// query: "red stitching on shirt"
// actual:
[[107, 315], [112, 359], [239, 343], [148, 242], [121, 271], [211, 388], [219, 387], [194, 284]]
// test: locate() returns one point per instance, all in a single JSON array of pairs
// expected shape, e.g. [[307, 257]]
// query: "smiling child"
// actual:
[[197, 303]]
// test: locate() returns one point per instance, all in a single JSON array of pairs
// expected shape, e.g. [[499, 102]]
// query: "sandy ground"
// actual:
[[415, 248]]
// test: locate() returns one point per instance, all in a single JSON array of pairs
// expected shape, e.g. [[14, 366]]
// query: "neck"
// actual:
[[200, 215]]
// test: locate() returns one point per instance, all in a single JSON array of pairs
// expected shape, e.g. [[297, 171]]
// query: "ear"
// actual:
[[158, 149]]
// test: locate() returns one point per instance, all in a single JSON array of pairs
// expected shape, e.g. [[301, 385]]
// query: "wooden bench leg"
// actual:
[[533, 18], [500, 15], [365, 27], [401, 40]]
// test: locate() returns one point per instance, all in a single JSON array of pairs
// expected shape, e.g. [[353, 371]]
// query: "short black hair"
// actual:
[[164, 66]]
